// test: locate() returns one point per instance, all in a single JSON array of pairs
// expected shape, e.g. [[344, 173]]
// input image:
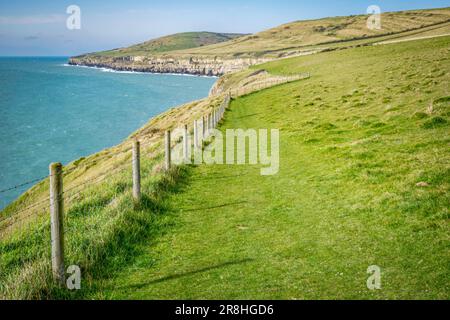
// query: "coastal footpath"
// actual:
[[344, 113], [356, 124]]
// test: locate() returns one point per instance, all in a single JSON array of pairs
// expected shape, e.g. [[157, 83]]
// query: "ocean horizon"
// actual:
[[53, 112]]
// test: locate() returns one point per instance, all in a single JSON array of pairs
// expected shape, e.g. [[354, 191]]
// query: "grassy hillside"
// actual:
[[193, 53], [301, 34], [103, 225], [364, 181], [173, 42], [293, 38]]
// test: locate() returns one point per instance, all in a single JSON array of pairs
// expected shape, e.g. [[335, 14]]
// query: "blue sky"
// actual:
[[39, 27]]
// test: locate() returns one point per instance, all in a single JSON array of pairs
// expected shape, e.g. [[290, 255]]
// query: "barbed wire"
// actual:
[[65, 172], [14, 214], [106, 174], [70, 196], [22, 218], [271, 82], [64, 192], [33, 181], [73, 169], [96, 158], [23, 184]]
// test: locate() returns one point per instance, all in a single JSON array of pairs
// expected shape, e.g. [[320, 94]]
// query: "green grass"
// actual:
[[179, 41], [346, 197], [218, 54], [103, 232], [289, 39], [303, 36], [104, 226], [357, 138]]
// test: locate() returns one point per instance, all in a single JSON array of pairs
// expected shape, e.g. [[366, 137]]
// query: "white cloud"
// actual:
[[30, 20]]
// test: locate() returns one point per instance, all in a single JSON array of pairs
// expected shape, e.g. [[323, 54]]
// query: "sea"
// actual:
[[53, 112]]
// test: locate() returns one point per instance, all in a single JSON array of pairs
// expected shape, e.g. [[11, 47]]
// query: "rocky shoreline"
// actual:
[[200, 66]]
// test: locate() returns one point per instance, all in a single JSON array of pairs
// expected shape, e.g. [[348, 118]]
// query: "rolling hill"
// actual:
[[185, 54], [179, 41], [289, 38]]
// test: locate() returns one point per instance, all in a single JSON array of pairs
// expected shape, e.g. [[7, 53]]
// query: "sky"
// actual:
[[39, 27]]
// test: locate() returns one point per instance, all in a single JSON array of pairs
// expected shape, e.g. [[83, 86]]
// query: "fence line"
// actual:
[[267, 83], [202, 130], [23, 184], [34, 205], [23, 218], [66, 172], [92, 181], [34, 181]]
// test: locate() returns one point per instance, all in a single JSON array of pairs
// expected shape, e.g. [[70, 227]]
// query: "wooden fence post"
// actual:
[[209, 123], [168, 155], [57, 222], [136, 170], [186, 153], [211, 120], [195, 135], [203, 128]]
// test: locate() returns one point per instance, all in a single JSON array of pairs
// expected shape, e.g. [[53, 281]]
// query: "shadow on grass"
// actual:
[[248, 116], [137, 228], [221, 178], [187, 274], [216, 207]]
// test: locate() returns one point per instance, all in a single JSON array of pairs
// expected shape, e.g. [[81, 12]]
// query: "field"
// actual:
[[364, 180], [304, 36], [180, 41], [296, 38]]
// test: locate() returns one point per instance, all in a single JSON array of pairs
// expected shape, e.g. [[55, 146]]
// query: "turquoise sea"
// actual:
[[52, 112]]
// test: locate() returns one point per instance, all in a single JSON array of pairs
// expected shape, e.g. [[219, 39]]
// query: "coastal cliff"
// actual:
[[207, 66]]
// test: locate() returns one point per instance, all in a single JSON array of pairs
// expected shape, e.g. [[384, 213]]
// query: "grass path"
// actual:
[[353, 148], [250, 240]]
